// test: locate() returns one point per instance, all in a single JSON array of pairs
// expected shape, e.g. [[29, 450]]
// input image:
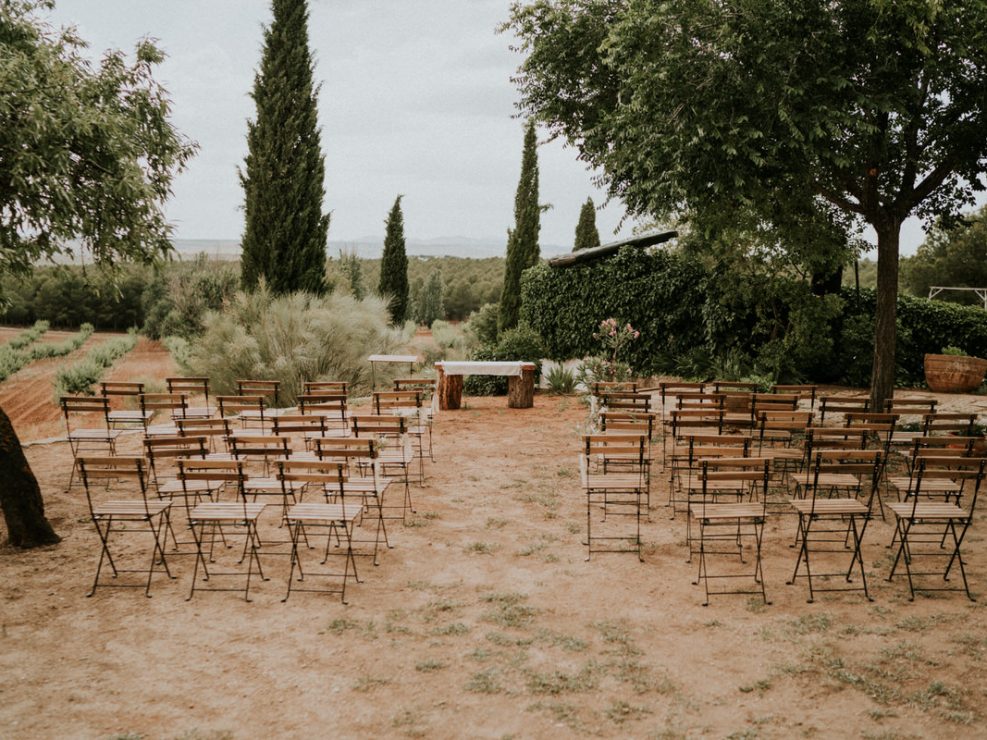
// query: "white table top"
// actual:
[[510, 369], [410, 359]]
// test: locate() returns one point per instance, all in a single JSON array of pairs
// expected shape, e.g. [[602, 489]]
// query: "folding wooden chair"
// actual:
[[911, 406], [924, 527], [684, 422], [245, 409], [802, 390], [960, 424], [192, 387], [120, 516], [332, 407], [687, 460], [625, 401], [620, 492], [266, 388], [125, 417], [212, 429], [395, 451], [309, 427], [101, 438], [364, 481], [260, 454], [841, 405], [942, 446], [724, 386], [326, 387], [879, 428], [839, 520], [214, 516], [335, 519], [601, 387], [667, 392], [173, 404], [163, 454], [409, 404], [732, 522]]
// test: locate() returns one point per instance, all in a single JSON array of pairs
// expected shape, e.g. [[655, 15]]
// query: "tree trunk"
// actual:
[[883, 373], [450, 390], [20, 495], [521, 389]]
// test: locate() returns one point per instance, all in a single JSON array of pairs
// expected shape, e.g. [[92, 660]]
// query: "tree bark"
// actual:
[[20, 494], [521, 390], [885, 328], [450, 390]]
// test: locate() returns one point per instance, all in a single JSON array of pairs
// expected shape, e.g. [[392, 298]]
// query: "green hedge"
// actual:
[[699, 320]]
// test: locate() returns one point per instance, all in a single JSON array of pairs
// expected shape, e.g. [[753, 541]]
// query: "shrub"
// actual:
[[291, 338], [80, 377], [447, 335], [481, 328], [28, 336], [60, 349], [180, 294], [561, 380], [13, 356], [520, 343], [955, 351]]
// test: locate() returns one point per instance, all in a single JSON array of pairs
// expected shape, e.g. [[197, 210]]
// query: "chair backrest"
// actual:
[[669, 390], [259, 446], [310, 424], [174, 403], [803, 390], [704, 419], [830, 438], [617, 400], [191, 386], [949, 423], [699, 400], [266, 388], [346, 448], [790, 422], [625, 447], [853, 418], [230, 406], [74, 406], [333, 405], [842, 404], [378, 425], [119, 388], [113, 468], [426, 386], [215, 472], [724, 446], [863, 464], [330, 387], [331, 475], [910, 406], [775, 402], [600, 387], [720, 386], [946, 443], [171, 448], [624, 421], [389, 402], [204, 427], [960, 470], [750, 474]]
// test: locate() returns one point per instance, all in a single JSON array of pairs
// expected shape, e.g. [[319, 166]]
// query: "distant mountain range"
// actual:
[[372, 246]]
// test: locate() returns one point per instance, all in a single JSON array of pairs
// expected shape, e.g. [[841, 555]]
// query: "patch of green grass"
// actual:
[[617, 635], [342, 625], [495, 523], [620, 712], [484, 682], [501, 640], [369, 683], [451, 630], [480, 548], [574, 528], [410, 723], [508, 611], [640, 677], [438, 607], [565, 471], [429, 666], [809, 624], [759, 686], [559, 682], [945, 701], [560, 712], [193, 735], [566, 642], [480, 655]]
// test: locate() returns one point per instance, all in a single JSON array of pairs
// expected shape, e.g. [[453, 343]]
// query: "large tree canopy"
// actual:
[[843, 111], [86, 152]]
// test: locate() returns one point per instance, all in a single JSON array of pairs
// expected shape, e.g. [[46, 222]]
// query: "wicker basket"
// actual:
[[954, 373]]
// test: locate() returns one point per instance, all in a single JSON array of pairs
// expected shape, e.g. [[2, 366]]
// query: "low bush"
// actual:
[[82, 376], [13, 355], [292, 338], [521, 343], [561, 380], [28, 336], [60, 349]]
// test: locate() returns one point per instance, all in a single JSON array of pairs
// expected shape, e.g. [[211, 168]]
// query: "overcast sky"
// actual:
[[416, 99]]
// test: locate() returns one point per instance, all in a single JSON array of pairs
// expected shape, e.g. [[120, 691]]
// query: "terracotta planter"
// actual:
[[954, 373]]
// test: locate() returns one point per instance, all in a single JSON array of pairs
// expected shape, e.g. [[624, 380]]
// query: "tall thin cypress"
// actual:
[[284, 240], [522, 240], [394, 266], [587, 235]]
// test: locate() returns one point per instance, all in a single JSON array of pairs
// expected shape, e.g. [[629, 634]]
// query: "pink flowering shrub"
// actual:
[[613, 337]]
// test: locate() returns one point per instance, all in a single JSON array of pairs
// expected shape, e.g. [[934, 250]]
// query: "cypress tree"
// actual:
[[522, 240], [394, 266], [587, 236], [284, 240], [430, 305]]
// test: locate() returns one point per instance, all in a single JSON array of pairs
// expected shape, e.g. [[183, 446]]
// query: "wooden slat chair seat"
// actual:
[[618, 493], [118, 516], [337, 521], [924, 528], [724, 525], [836, 524], [223, 518]]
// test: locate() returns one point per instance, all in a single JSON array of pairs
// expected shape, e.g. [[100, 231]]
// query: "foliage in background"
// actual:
[[702, 320], [428, 300], [587, 235], [561, 380], [522, 241], [82, 376], [519, 343], [393, 285], [954, 253], [286, 232], [481, 328], [292, 338], [13, 356], [352, 268], [28, 336], [178, 296]]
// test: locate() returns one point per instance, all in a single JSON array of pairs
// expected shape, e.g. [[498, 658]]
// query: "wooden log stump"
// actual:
[[521, 390], [450, 390]]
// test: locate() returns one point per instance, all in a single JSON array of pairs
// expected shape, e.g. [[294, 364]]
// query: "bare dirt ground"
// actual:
[[484, 620]]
